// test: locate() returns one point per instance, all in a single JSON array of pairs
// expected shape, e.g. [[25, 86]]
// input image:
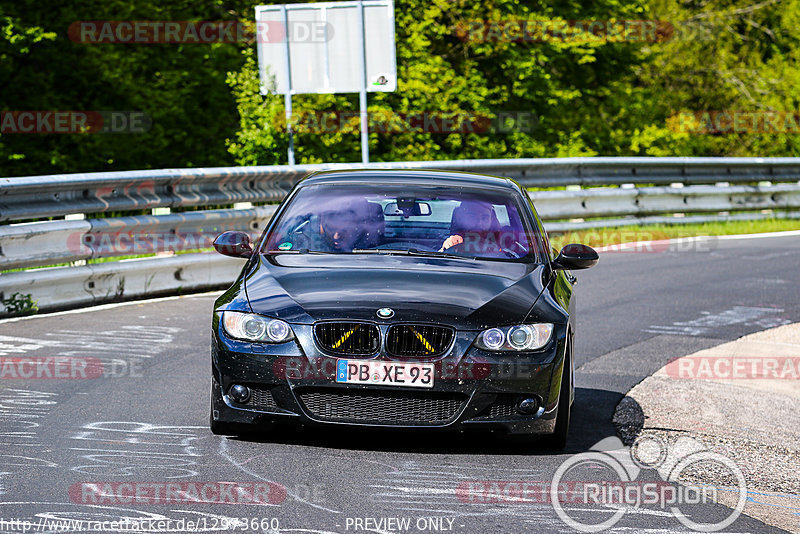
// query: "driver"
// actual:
[[475, 224], [338, 230]]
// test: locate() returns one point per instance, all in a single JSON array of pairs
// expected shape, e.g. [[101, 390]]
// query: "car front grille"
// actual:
[[348, 339], [383, 407], [412, 340], [503, 409], [261, 399]]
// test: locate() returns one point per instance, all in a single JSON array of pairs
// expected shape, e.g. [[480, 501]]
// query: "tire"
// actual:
[[558, 439]]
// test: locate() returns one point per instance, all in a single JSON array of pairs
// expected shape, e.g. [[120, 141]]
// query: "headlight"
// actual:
[[520, 337], [251, 327]]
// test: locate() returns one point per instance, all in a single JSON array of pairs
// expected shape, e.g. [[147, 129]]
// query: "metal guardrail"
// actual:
[[51, 196], [47, 243], [34, 244], [69, 287]]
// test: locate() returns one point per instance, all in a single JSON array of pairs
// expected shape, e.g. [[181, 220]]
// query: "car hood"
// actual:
[[463, 293]]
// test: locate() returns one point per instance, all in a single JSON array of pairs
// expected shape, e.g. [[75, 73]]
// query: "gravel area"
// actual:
[[754, 422]]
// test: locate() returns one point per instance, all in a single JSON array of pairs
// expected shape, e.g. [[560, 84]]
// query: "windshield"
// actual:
[[404, 219]]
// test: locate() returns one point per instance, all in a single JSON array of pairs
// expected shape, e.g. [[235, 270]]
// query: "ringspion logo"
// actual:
[[608, 476]]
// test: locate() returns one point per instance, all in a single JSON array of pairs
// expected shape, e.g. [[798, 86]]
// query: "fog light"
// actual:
[[239, 393], [528, 406]]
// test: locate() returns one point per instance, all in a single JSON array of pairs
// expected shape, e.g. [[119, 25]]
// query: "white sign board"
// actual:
[[329, 47]]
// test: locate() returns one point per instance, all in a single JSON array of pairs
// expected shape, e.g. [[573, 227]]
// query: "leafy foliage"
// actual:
[[20, 304], [590, 97]]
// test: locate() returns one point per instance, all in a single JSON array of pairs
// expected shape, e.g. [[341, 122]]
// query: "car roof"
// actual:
[[411, 176]]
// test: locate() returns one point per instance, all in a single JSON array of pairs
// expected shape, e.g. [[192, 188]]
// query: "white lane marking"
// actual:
[[789, 233], [139, 340], [747, 315], [17, 408], [138, 448], [393, 468], [684, 240], [21, 345], [648, 246], [110, 306], [25, 461], [225, 453], [418, 490]]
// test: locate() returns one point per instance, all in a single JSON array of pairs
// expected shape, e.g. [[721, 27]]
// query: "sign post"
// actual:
[[330, 47]]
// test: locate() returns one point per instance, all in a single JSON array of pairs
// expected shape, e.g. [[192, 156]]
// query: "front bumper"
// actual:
[[295, 382]]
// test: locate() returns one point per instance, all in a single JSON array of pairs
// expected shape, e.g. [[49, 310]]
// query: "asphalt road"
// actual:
[[144, 421]]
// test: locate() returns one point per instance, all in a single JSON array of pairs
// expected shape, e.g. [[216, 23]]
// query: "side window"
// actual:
[[542, 233], [547, 246]]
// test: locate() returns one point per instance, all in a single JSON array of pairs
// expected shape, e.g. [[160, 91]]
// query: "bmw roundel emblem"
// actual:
[[385, 313]]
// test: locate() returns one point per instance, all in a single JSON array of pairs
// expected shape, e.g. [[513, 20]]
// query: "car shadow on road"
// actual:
[[591, 422]]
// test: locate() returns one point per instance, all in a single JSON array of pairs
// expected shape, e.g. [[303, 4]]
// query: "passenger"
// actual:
[[475, 226]]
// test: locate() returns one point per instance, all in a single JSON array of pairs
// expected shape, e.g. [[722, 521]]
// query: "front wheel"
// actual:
[[558, 439]]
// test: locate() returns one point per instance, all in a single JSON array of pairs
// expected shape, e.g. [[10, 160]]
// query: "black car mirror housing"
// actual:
[[575, 256], [234, 244]]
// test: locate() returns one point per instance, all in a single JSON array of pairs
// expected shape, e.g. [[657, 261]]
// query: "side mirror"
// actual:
[[234, 244], [574, 257]]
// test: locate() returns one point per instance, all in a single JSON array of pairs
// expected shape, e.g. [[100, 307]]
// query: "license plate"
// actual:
[[414, 375]]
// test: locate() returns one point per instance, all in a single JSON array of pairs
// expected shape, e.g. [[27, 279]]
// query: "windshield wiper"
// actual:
[[417, 252], [297, 251], [380, 251], [410, 252]]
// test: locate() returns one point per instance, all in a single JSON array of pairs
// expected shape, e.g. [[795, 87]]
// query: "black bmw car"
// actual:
[[398, 299]]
